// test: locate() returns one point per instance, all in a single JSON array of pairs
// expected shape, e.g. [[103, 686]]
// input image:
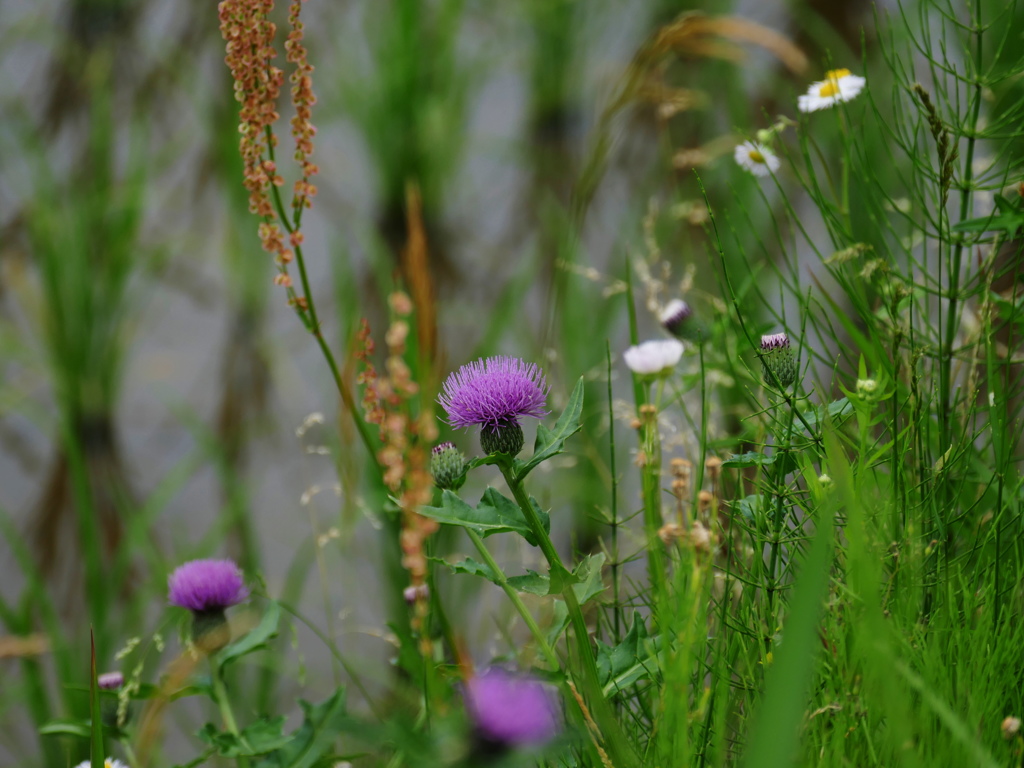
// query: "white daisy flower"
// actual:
[[108, 763], [756, 158], [653, 357], [838, 85]]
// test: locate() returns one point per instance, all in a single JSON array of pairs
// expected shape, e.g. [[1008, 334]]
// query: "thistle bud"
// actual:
[[674, 316], [777, 358], [448, 465], [506, 438]]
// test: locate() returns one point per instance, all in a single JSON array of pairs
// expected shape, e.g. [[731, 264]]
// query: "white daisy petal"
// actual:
[[756, 158], [653, 357], [838, 86]]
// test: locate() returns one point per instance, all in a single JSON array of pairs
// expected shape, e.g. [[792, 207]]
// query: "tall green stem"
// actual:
[[619, 750], [651, 488], [946, 416], [220, 695], [517, 602]]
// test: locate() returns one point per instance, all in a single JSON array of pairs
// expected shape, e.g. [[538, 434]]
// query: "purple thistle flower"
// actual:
[[205, 586], [511, 710], [110, 681], [773, 341], [495, 393]]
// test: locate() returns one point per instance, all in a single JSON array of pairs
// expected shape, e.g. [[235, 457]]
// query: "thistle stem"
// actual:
[[517, 602], [220, 696], [615, 740]]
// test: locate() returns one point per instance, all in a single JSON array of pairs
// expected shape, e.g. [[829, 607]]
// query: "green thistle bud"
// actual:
[[777, 358], [447, 466], [507, 438]]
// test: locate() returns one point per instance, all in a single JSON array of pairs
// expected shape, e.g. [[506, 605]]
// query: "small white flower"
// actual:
[[653, 357], [756, 158], [838, 85], [108, 763]]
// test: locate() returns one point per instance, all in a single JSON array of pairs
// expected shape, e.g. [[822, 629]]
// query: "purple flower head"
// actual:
[[110, 681], [674, 316], [511, 710], [494, 393], [773, 341], [206, 585]]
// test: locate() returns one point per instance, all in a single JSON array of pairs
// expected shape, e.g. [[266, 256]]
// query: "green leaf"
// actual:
[[559, 621], [755, 459], [837, 411], [67, 727], [588, 573], [1010, 218], [750, 507], [749, 459], [253, 641], [550, 441], [629, 661], [314, 738], [586, 578], [494, 514], [259, 738]]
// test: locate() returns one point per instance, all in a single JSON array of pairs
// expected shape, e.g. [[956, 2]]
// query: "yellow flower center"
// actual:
[[831, 85], [756, 156]]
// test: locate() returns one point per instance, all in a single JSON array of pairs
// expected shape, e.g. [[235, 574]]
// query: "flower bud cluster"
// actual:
[[867, 389]]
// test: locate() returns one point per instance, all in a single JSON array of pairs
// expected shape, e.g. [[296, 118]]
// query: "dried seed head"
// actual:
[[704, 499], [700, 538], [681, 468], [1010, 727], [713, 468], [670, 533]]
